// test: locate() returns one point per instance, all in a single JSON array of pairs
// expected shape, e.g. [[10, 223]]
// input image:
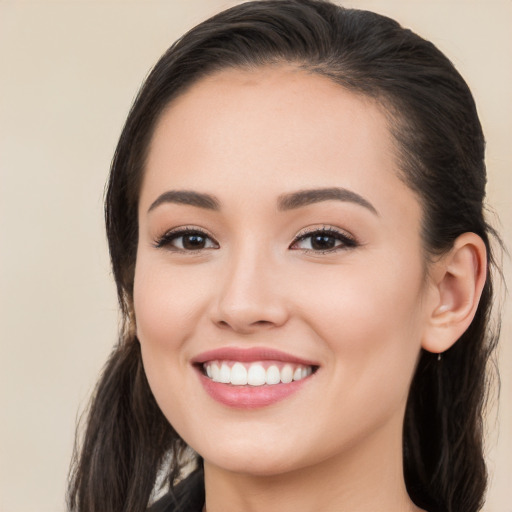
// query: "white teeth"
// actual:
[[273, 375], [225, 374], [287, 374], [254, 374], [215, 371], [238, 375]]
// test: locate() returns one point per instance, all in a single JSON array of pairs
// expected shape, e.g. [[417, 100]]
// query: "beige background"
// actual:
[[68, 73]]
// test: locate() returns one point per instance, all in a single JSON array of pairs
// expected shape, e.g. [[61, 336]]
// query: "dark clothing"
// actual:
[[188, 496]]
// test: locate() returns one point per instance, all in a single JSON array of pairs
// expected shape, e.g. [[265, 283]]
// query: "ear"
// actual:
[[457, 282]]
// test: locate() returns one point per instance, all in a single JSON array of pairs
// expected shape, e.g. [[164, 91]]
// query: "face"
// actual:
[[280, 284]]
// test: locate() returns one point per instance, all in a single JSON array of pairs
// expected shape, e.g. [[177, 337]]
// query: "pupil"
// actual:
[[323, 242], [193, 242]]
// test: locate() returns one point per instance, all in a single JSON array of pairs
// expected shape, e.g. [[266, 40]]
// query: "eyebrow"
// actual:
[[307, 197], [188, 197], [285, 202]]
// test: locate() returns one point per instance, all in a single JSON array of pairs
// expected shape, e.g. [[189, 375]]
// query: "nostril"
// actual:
[[258, 323]]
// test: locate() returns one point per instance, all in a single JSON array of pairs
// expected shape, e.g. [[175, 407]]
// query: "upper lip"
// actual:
[[246, 355]]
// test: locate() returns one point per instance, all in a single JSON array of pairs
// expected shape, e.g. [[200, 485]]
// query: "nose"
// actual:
[[251, 296]]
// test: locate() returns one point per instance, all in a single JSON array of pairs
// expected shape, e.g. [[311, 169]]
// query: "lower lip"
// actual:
[[249, 397]]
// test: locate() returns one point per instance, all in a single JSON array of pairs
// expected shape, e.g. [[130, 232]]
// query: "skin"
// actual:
[[361, 312]]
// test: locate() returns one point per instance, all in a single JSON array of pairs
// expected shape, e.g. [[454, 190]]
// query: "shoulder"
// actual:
[[187, 496]]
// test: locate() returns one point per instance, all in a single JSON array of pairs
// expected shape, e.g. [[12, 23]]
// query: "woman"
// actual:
[[295, 220]]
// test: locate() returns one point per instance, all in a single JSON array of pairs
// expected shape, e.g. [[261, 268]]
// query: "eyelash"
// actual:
[[169, 237], [347, 241]]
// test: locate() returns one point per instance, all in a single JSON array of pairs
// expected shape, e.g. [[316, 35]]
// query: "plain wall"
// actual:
[[68, 73]]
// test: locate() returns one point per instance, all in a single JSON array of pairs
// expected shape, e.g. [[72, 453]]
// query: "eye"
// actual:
[[186, 240], [323, 241]]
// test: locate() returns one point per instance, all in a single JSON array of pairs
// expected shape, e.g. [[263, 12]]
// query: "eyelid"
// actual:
[[164, 241], [348, 240], [324, 228]]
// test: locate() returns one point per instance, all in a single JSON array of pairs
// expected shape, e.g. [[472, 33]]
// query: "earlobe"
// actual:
[[458, 280]]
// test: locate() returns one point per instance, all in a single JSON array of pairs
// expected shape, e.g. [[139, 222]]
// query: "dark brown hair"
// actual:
[[435, 124]]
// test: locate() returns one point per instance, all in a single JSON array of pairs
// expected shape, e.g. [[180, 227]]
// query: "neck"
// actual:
[[366, 477]]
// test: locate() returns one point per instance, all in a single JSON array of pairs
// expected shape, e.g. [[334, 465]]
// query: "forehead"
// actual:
[[273, 130], [273, 106]]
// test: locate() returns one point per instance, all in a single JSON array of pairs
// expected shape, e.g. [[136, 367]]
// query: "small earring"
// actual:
[[439, 356]]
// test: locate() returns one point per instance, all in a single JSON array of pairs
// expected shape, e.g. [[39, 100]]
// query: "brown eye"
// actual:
[[186, 240], [193, 242], [323, 240]]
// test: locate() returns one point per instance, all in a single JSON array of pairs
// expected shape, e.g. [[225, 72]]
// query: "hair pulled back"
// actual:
[[440, 144]]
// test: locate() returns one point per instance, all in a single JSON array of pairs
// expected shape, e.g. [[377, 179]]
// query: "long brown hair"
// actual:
[[434, 121]]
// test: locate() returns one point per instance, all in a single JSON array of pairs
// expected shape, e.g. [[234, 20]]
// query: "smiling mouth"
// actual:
[[257, 373]]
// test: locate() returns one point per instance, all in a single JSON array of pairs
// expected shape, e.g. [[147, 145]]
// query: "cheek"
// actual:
[[166, 308], [162, 328], [362, 319], [372, 322], [166, 304]]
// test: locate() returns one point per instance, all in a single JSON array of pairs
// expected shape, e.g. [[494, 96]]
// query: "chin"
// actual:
[[247, 456], [253, 464]]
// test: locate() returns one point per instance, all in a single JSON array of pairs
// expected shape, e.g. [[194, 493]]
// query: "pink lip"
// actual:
[[249, 397], [247, 355]]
